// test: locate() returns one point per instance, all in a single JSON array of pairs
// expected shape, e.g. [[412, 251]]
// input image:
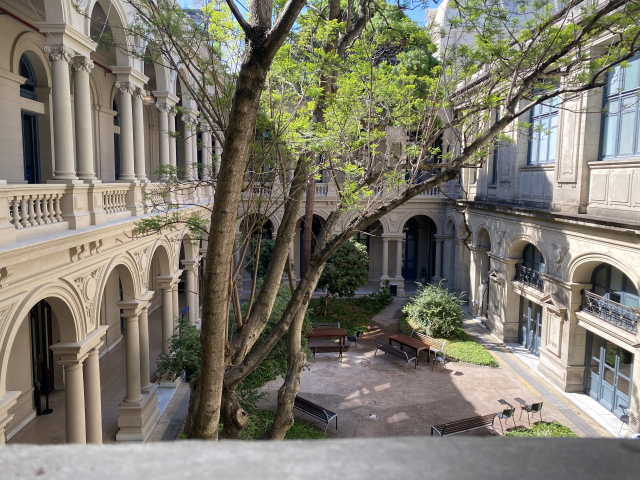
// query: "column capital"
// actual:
[[74, 353], [132, 308], [58, 53], [125, 87], [139, 93], [167, 282], [191, 264], [82, 64], [164, 107], [442, 237]]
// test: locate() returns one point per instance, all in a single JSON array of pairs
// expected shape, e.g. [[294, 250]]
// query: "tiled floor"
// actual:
[[48, 429]]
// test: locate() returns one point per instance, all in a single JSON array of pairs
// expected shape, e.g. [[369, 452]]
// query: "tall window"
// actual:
[[544, 133], [533, 258], [28, 88], [611, 283], [620, 124]]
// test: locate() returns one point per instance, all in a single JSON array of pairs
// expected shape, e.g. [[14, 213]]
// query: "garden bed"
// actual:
[[354, 314], [260, 420], [542, 429], [460, 346]]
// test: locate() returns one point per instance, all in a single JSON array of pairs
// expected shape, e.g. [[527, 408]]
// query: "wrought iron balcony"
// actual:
[[610, 311], [530, 277]]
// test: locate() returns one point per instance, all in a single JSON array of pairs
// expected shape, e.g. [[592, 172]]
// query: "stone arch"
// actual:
[[30, 43], [96, 93], [386, 224], [515, 246], [128, 272], [403, 219], [118, 19], [450, 226], [190, 250], [581, 268], [482, 237], [163, 251], [67, 308]]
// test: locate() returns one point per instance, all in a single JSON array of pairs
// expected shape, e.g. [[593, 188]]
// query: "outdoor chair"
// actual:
[[353, 339], [531, 409], [624, 418], [440, 358], [506, 415]]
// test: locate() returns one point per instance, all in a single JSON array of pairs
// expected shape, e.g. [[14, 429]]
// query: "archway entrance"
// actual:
[[419, 252]]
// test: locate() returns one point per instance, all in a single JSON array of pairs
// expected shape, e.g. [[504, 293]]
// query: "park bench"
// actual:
[[466, 425], [325, 325], [315, 411], [435, 345], [339, 349], [395, 352]]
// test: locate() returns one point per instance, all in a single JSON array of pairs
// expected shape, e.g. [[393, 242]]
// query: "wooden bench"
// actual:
[[395, 352], [339, 349], [315, 411], [435, 344], [325, 325], [466, 425]]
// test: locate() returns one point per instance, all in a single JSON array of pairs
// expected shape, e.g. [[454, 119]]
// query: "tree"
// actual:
[[346, 271], [317, 100]]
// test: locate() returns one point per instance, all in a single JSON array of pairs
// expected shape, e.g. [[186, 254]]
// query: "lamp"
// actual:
[[148, 99]]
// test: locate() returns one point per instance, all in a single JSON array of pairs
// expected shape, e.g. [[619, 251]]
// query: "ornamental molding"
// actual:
[[80, 6], [87, 286], [139, 93], [85, 250], [560, 253], [58, 53], [125, 87], [164, 107], [500, 238], [5, 273], [82, 64]]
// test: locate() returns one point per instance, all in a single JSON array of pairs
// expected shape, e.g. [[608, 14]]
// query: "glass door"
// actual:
[[530, 325], [609, 375], [30, 147]]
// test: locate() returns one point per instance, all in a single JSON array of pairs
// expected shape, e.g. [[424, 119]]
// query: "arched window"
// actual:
[[116, 118], [533, 258], [611, 283], [28, 88], [619, 123]]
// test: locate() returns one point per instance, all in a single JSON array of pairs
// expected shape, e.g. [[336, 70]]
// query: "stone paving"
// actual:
[[374, 397]]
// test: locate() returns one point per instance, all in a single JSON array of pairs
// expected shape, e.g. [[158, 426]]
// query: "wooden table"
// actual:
[[411, 342], [328, 333]]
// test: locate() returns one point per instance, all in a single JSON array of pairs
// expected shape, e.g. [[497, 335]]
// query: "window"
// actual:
[[620, 124], [533, 258], [544, 133], [611, 283], [28, 88], [116, 118]]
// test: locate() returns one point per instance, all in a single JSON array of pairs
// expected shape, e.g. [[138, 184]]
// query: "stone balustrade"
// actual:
[[33, 210]]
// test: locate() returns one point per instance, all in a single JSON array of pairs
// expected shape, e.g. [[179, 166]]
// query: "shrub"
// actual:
[[184, 348], [266, 252], [435, 310], [260, 420], [542, 429]]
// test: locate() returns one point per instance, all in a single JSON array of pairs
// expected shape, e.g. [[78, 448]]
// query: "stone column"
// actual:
[[138, 135], [127, 168], [163, 134], [82, 67], [132, 346], [176, 300], [62, 116], [191, 287], [206, 150], [194, 151], [143, 327], [167, 315], [399, 279], [92, 396], [74, 406], [172, 139], [385, 261], [438, 266], [187, 146]]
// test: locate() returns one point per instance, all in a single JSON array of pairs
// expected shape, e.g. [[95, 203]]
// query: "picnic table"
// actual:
[[328, 333], [411, 342]]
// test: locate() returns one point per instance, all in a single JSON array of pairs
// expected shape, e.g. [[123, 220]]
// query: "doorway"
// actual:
[[42, 356], [31, 147], [530, 325], [608, 373]]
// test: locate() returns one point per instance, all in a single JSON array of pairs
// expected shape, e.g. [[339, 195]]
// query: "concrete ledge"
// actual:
[[376, 459]]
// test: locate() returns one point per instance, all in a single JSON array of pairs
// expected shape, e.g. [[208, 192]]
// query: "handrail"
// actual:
[[530, 277], [610, 311]]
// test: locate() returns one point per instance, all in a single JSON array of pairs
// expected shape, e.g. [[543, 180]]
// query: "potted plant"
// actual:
[[423, 275]]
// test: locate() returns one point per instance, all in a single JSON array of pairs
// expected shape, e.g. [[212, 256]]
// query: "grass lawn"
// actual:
[[542, 429], [260, 420], [460, 346], [354, 314]]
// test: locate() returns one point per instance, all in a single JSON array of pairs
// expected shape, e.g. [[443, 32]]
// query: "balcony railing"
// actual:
[[322, 189], [610, 311], [530, 277]]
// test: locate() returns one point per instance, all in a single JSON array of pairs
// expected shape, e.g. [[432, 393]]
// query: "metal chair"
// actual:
[[353, 339], [506, 415], [531, 409], [440, 358], [624, 418]]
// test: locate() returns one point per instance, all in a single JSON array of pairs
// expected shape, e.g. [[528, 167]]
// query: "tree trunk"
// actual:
[[234, 417], [307, 233]]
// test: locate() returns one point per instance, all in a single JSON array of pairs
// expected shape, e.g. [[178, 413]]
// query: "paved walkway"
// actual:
[[374, 397]]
